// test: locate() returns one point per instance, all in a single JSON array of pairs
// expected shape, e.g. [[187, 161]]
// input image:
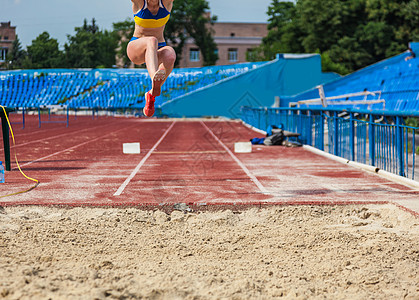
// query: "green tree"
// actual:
[[346, 56], [329, 64], [16, 56], [44, 53], [325, 22], [108, 44], [349, 34], [284, 35], [124, 31], [175, 30], [409, 30], [90, 48]]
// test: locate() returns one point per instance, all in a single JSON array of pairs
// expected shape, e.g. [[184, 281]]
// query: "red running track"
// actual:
[[181, 161]]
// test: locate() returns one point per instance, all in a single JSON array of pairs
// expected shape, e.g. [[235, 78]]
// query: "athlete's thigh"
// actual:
[[166, 54], [136, 50]]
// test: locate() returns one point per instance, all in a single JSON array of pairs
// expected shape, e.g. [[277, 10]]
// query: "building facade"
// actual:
[[233, 42], [7, 37]]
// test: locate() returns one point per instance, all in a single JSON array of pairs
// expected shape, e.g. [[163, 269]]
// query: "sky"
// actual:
[[60, 17]]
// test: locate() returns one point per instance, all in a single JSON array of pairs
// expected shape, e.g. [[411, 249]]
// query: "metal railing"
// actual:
[[378, 138], [342, 99]]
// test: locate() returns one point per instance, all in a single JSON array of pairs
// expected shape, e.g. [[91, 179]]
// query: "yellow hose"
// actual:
[[17, 163]]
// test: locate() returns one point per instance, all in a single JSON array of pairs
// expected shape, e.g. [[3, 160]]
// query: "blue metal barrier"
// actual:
[[63, 119], [17, 109], [378, 138]]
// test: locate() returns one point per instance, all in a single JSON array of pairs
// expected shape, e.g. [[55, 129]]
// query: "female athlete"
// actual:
[[148, 45]]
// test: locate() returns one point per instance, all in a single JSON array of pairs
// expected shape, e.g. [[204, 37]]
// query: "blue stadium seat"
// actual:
[[396, 78]]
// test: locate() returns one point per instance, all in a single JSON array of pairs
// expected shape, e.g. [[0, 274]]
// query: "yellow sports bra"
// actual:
[[146, 19]]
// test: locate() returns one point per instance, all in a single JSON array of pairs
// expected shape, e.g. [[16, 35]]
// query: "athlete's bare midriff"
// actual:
[[140, 32]]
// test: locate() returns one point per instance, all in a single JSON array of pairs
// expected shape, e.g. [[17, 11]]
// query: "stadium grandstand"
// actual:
[[103, 88], [390, 85]]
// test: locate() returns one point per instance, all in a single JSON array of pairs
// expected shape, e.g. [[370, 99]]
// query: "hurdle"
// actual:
[[52, 110], [16, 110]]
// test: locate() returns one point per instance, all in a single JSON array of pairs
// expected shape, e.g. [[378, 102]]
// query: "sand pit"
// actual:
[[293, 252]]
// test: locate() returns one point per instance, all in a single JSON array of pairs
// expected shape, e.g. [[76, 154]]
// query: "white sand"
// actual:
[[348, 252]]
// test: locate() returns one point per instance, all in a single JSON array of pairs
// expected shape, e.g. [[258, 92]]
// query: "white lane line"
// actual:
[[138, 167], [246, 170], [71, 148]]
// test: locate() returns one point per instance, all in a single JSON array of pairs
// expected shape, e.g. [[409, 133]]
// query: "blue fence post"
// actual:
[[414, 154], [39, 117], [67, 117], [266, 119], [352, 136], [321, 131], [309, 128], [23, 117], [336, 134], [371, 136], [399, 145], [299, 122]]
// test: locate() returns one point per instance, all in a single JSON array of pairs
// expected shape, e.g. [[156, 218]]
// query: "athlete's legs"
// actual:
[[144, 50], [166, 60], [159, 62]]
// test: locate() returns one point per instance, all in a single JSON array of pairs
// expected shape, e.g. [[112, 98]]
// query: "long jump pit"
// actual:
[[198, 221], [290, 252]]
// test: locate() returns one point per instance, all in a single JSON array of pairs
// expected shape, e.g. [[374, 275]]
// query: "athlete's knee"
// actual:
[[152, 42], [170, 56]]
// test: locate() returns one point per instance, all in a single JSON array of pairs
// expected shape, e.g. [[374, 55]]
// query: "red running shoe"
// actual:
[[148, 109]]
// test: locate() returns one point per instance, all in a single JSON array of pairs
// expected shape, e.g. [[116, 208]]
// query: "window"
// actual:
[[6, 38], [232, 55], [194, 54], [232, 34], [3, 54], [251, 54]]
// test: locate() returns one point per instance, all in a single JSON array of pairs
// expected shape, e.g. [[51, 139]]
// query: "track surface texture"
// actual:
[[181, 161]]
